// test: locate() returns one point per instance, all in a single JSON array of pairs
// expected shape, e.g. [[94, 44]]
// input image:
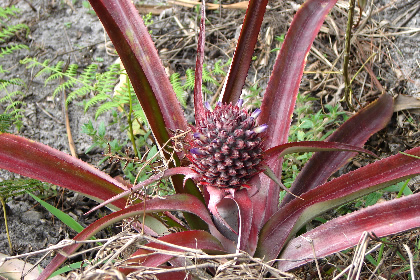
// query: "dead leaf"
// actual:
[[14, 269], [156, 10], [405, 102], [210, 6]]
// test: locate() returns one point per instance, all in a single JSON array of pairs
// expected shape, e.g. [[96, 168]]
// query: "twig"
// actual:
[[316, 259], [3, 203], [407, 20], [182, 27], [410, 257], [72, 146], [152, 270], [129, 119], [47, 113], [62, 244], [359, 256], [347, 89]]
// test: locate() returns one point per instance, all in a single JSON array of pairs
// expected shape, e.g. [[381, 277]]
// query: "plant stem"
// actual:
[[400, 193], [347, 89], [129, 119], [3, 203]]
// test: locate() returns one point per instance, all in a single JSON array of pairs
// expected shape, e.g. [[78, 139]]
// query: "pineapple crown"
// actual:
[[227, 147]]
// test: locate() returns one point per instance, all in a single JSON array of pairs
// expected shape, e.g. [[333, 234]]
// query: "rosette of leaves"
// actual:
[[230, 207]]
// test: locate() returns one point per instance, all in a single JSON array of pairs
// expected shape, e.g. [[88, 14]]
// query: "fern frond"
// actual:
[[138, 113], [77, 93], [122, 97], [106, 81], [17, 113], [178, 89], [218, 68], [72, 70], [18, 186], [67, 85], [89, 73], [96, 99], [55, 76], [104, 108], [176, 82], [10, 49], [13, 106], [11, 30], [32, 62], [207, 76], [189, 79], [15, 81], [46, 69], [56, 69], [2, 71], [6, 121], [9, 97], [70, 73], [5, 13]]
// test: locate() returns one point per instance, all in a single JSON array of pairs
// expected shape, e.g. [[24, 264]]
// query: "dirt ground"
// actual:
[[67, 31]]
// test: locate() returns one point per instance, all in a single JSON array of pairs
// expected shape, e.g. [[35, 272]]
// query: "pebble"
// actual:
[[32, 217]]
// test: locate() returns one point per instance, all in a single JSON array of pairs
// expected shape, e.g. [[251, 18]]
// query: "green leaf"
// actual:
[[66, 219], [70, 267], [101, 129], [152, 152], [372, 198]]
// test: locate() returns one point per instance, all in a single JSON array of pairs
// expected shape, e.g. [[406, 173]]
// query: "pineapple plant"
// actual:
[[227, 146], [233, 180]]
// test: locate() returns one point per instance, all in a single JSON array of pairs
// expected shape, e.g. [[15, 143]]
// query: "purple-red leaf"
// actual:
[[283, 224], [198, 94], [310, 146], [245, 208], [244, 50], [141, 61], [38, 161], [167, 173], [179, 202], [382, 219], [194, 239], [280, 95], [355, 131], [147, 75]]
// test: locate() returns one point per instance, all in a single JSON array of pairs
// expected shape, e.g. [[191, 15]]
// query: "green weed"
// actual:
[[309, 126]]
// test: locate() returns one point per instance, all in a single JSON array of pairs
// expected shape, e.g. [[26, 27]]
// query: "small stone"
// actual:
[[87, 29], [32, 217]]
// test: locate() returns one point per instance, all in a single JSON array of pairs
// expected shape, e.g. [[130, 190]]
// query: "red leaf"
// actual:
[[147, 75], [167, 173], [142, 63], [280, 96], [198, 94], [179, 202], [38, 161], [245, 221], [310, 146], [382, 219], [194, 239], [355, 131], [244, 50], [283, 224]]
